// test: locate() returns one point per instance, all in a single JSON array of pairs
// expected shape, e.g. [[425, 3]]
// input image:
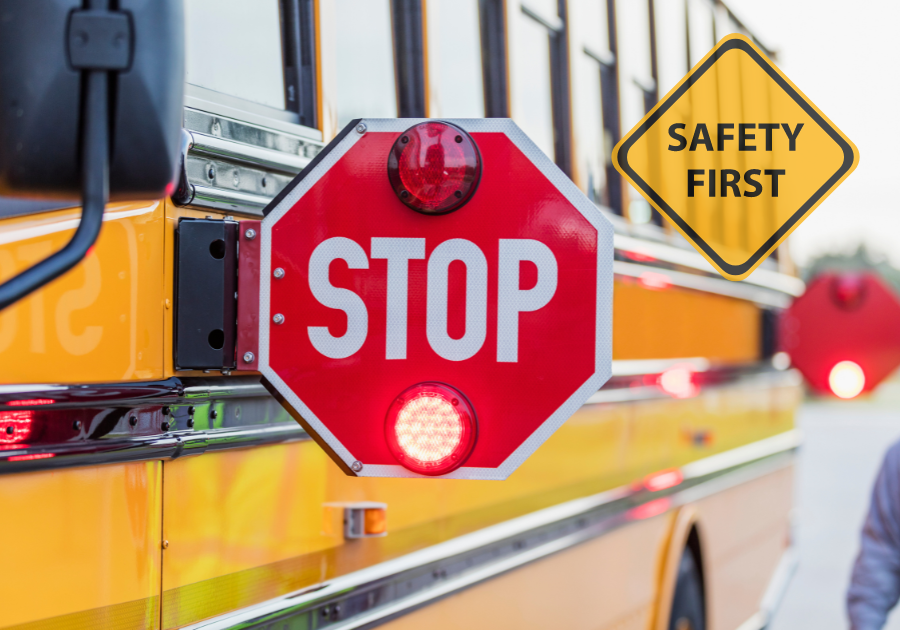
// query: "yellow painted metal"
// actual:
[[101, 321], [673, 323], [249, 525], [82, 547], [605, 583], [625, 579]]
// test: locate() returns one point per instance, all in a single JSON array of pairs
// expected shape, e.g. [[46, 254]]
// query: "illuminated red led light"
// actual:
[[678, 381], [30, 403], [846, 380], [15, 426], [434, 167], [663, 480], [431, 429], [30, 456]]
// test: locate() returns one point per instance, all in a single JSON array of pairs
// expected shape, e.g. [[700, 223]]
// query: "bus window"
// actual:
[[234, 47], [454, 59], [701, 29], [671, 43], [540, 88], [594, 140], [366, 83], [637, 84], [532, 99]]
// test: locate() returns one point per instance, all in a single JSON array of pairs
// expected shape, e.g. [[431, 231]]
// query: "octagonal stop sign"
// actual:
[[843, 333], [435, 298]]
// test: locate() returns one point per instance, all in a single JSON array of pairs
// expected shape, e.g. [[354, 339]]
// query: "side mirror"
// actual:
[[90, 102]]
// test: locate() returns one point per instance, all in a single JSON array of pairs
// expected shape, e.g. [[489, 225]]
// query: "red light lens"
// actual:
[[434, 167], [431, 429], [15, 426], [848, 291]]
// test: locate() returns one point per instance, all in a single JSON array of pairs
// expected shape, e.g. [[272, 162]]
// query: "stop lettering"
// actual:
[[435, 298]]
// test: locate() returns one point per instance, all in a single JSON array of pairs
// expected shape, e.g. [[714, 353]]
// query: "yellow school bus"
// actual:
[[135, 494]]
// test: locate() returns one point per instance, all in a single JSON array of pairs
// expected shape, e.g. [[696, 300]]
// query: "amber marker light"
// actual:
[[434, 167], [431, 429], [846, 380]]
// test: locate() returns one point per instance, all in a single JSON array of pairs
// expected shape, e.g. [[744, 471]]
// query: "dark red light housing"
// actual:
[[431, 429], [434, 167]]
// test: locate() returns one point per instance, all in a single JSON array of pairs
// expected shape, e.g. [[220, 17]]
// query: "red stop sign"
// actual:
[[501, 308], [840, 319]]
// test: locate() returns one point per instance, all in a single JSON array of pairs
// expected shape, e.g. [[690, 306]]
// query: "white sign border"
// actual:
[[603, 336]]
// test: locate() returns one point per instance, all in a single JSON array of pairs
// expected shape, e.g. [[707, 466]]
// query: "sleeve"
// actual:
[[875, 582]]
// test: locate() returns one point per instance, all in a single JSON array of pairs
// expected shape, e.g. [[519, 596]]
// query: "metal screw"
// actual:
[[190, 411], [10, 430], [165, 544], [250, 234], [264, 182], [211, 172], [279, 273], [213, 414], [248, 357], [236, 178], [165, 426], [77, 425], [165, 411], [404, 194], [278, 319], [458, 194], [458, 139], [361, 128], [190, 423], [404, 139], [132, 421], [356, 466]]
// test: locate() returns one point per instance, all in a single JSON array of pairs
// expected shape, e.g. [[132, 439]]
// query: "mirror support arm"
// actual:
[[95, 192]]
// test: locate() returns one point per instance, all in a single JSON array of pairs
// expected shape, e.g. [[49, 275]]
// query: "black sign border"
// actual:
[[740, 44]]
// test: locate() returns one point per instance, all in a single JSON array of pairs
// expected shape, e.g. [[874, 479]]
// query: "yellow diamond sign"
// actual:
[[735, 156]]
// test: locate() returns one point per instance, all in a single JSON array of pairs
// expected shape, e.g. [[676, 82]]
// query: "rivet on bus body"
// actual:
[[278, 319], [279, 273]]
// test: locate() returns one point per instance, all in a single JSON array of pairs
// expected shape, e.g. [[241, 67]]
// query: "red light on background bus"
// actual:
[[431, 429], [663, 480], [846, 380], [434, 167], [848, 290], [678, 381], [15, 426], [654, 280]]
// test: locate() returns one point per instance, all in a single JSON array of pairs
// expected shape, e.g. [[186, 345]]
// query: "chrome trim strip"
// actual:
[[775, 591], [247, 153], [720, 286], [765, 278], [203, 99], [225, 199], [489, 552], [642, 367], [217, 393]]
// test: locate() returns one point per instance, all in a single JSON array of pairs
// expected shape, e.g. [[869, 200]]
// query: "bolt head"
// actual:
[[278, 273], [250, 234], [165, 544], [278, 319], [132, 421], [361, 128], [248, 357], [77, 425], [356, 466]]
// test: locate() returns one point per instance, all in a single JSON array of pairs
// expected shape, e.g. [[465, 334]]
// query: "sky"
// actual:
[[843, 56]]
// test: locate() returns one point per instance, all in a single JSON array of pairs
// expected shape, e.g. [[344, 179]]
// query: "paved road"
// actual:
[[844, 443]]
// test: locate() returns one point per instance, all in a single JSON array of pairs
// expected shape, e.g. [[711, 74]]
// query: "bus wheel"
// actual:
[[687, 604]]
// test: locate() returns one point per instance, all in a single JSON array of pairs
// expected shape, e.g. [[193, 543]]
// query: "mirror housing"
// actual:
[[46, 48]]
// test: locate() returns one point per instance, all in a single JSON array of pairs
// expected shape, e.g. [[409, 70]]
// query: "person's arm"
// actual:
[[875, 583]]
